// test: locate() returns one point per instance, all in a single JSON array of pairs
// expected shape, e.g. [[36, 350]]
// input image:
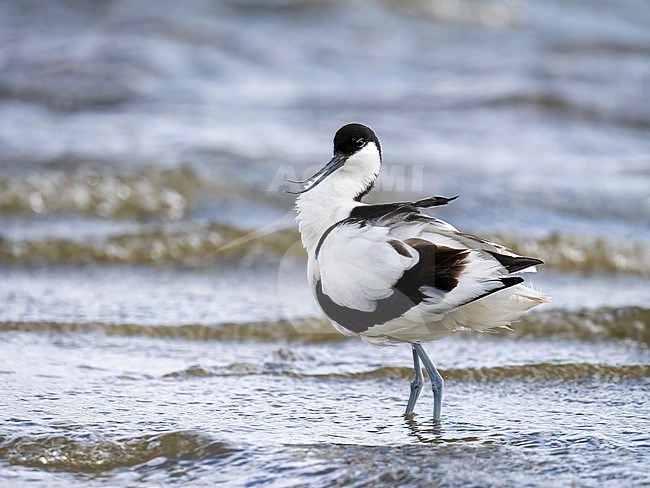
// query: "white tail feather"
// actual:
[[494, 311]]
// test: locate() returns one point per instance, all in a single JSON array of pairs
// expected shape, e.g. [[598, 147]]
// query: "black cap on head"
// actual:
[[352, 137]]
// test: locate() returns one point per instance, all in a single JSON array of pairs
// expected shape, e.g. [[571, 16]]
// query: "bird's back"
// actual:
[[391, 273]]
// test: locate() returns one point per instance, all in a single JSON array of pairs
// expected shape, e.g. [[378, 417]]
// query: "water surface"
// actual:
[[155, 323]]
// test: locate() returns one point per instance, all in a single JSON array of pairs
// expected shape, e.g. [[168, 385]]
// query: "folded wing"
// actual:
[[386, 259]]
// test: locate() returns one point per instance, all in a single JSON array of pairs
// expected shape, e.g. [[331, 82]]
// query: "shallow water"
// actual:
[[155, 323]]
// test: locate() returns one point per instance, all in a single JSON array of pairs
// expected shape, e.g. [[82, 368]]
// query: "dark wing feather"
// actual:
[[372, 213], [438, 267], [515, 263], [389, 214]]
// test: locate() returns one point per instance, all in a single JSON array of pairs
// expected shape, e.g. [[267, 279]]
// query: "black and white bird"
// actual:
[[390, 273]]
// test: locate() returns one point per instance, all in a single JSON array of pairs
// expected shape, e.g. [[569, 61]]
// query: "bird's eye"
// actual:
[[360, 142]]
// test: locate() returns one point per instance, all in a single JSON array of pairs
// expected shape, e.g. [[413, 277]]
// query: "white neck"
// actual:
[[333, 199]]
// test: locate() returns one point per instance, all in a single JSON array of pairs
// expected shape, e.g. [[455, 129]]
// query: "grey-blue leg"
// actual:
[[416, 384], [437, 382]]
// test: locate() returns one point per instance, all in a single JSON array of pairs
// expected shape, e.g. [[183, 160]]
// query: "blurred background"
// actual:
[[144, 233]]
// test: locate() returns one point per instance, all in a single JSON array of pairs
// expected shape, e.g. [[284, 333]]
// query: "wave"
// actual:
[[560, 104], [193, 244], [304, 330], [542, 371], [590, 325], [601, 47], [583, 253], [493, 14], [76, 187], [96, 454], [189, 245]]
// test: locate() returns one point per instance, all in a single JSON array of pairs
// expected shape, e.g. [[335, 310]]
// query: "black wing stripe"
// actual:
[[371, 213], [324, 236], [507, 283], [515, 263], [438, 267], [433, 201], [366, 214], [355, 320]]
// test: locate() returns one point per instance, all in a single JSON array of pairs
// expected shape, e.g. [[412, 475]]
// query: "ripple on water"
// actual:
[[93, 453], [589, 324], [541, 371]]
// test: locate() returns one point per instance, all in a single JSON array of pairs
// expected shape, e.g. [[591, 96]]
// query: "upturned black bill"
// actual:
[[335, 163]]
